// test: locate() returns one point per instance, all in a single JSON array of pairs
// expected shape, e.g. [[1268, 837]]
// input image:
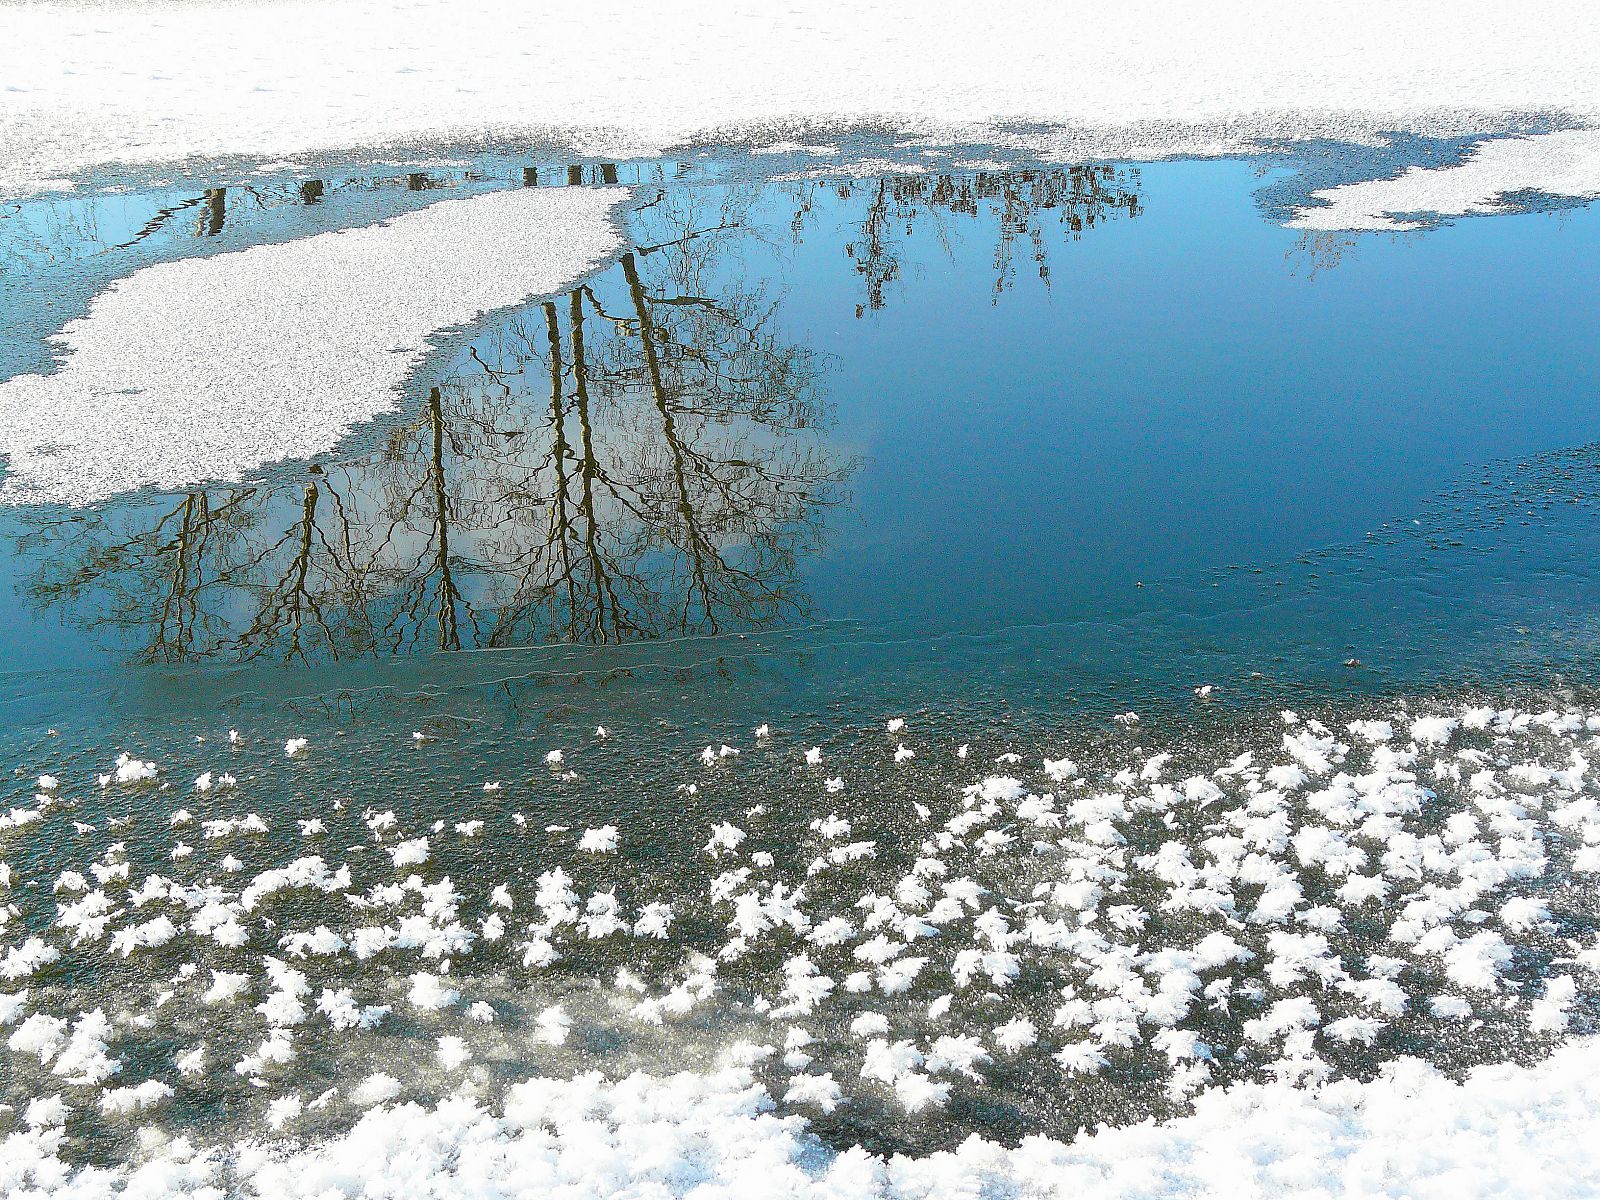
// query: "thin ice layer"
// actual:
[[205, 369], [1311, 910], [149, 82]]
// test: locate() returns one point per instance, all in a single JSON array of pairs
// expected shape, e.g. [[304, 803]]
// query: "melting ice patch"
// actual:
[[204, 369], [1565, 164]]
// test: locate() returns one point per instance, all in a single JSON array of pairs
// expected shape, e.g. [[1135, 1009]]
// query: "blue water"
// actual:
[[1085, 431], [1182, 396], [1002, 454]]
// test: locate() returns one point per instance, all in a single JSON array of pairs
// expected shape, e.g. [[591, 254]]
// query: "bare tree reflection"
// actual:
[[644, 457], [237, 573], [304, 591], [1318, 250], [1079, 198], [52, 230], [160, 578]]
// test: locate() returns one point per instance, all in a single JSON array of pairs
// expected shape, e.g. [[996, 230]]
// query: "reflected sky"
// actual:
[[921, 405]]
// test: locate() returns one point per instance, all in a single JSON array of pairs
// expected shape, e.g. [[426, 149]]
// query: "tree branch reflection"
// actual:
[[644, 457], [1017, 202]]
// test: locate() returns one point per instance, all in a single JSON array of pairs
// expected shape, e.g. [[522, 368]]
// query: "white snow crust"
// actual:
[[204, 369], [1506, 1130], [1563, 164], [89, 85]]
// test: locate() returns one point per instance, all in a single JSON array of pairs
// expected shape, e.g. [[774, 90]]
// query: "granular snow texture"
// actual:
[[90, 85], [204, 369], [1564, 164]]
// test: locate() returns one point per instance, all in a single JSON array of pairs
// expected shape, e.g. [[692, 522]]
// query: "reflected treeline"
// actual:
[[214, 206], [1318, 250], [217, 206], [50, 230], [643, 457], [1020, 203]]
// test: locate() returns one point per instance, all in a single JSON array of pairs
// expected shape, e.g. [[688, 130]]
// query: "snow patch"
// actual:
[[131, 82], [1564, 164], [206, 369]]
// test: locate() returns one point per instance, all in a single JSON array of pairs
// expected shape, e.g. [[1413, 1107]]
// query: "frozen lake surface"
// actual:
[[891, 654]]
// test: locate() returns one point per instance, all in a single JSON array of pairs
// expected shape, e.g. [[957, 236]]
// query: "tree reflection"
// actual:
[[643, 457], [1318, 250], [1018, 202], [163, 583], [49, 230]]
